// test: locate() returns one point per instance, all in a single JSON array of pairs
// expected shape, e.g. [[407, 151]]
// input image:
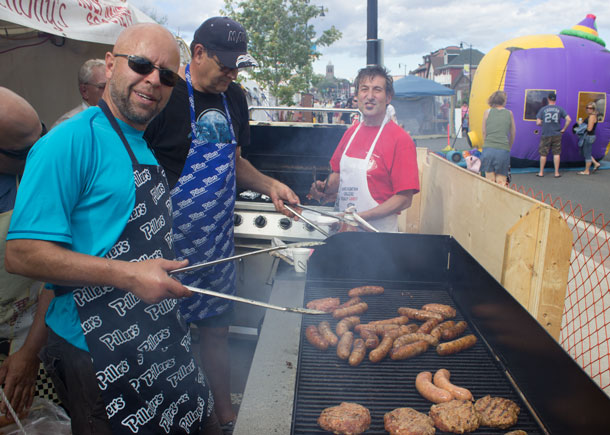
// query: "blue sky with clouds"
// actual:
[[411, 28]]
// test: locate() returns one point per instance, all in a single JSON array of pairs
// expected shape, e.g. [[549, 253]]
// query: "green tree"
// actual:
[[282, 41]]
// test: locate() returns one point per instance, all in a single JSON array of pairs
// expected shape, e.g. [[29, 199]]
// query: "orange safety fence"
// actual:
[[585, 326]]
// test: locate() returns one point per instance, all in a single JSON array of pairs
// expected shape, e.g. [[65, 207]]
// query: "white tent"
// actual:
[[43, 43]]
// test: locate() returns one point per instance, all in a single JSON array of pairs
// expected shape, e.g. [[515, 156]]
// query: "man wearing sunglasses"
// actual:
[[198, 141], [93, 218], [91, 85]]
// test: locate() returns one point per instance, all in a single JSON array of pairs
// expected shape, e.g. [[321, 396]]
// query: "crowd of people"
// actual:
[[138, 180]]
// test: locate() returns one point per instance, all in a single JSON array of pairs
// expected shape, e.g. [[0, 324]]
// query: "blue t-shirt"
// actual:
[[78, 191], [551, 117]]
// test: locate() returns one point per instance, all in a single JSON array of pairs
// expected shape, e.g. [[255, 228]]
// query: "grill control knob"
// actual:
[[309, 228], [237, 220], [285, 223], [260, 221]]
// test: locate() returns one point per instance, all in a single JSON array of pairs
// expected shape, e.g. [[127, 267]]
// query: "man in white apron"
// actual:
[[119, 353], [22, 335], [374, 167]]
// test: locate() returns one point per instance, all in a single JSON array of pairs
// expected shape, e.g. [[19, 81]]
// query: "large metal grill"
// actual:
[[324, 380]]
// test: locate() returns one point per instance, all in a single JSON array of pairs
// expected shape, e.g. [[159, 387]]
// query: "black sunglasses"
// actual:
[[143, 66]]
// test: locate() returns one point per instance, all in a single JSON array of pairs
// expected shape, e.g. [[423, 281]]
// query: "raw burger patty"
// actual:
[[345, 419], [497, 412], [408, 421], [457, 416]]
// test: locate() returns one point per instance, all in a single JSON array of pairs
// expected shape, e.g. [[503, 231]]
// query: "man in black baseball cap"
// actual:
[[198, 140]]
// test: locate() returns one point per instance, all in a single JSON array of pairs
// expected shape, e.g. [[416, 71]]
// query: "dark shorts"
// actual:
[[222, 320], [495, 160], [552, 143]]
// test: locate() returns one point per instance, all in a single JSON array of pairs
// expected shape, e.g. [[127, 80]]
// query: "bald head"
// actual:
[[19, 123], [148, 34]]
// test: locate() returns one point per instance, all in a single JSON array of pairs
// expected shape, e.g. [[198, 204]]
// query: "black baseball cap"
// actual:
[[227, 39], [553, 96]]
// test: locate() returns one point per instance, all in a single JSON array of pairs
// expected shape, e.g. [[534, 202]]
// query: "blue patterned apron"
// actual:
[[141, 352], [204, 199]]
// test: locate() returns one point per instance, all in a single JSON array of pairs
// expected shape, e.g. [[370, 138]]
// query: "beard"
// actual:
[[128, 109]]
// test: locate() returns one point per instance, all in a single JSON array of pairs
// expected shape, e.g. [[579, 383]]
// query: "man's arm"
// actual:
[[251, 178], [394, 204], [19, 371], [326, 191], [567, 123], [513, 130], [49, 262], [485, 116]]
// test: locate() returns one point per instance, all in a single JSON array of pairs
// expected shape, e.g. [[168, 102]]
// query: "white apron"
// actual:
[[354, 187]]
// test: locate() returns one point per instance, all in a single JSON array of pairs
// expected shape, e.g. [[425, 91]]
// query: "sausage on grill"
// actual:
[[344, 348], [352, 310], [371, 341], [327, 333], [350, 302], [346, 324], [313, 336], [455, 346], [428, 326], [382, 350], [422, 315], [425, 387], [412, 338], [358, 352], [446, 311], [365, 290], [438, 330], [324, 304], [408, 350], [441, 380], [455, 331], [401, 320]]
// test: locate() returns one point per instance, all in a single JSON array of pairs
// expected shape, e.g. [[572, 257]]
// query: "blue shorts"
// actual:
[[495, 160]]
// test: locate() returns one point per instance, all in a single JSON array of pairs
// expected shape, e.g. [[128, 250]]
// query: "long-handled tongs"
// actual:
[[307, 221], [253, 302]]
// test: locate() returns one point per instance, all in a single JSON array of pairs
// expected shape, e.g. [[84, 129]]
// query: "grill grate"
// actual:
[[323, 380]]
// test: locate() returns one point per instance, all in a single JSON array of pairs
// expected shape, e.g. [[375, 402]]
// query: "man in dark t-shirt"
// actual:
[[549, 117], [198, 140]]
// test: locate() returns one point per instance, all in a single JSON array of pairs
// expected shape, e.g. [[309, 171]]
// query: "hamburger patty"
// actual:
[[345, 419], [497, 412], [457, 416], [408, 421]]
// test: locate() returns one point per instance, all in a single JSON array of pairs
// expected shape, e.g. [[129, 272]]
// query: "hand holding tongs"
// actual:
[[253, 302], [307, 221], [352, 210], [224, 260]]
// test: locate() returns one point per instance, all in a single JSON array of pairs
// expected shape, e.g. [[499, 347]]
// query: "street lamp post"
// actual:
[[403, 65], [469, 69]]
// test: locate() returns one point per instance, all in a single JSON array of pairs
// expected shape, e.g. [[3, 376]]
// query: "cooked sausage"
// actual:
[[313, 336], [408, 329], [412, 338], [346, 324], [371, 341], [425, 387], [456, 345], [441, 380], [325, 304], [438, 330], [352, 310], [365, 290], [344, 348], [408, 350], [428, 326], [382, 350], [358, 352], [378, 329], [455, 331], [350, 302], [422, 315], [446, 311], [401, 320], [327, 333]]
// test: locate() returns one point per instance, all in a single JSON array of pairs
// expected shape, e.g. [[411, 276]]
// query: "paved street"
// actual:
[[591, 192]]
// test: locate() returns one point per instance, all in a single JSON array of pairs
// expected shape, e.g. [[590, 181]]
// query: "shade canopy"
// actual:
[[414, 86]]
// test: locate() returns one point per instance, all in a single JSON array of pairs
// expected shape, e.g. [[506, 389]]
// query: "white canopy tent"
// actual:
[[43, 43]]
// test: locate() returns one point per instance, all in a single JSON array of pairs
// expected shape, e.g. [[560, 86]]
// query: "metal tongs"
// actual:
[[253, 302], [365, 224], [349, 210], [224, 260], [307, 221], [325, 213]]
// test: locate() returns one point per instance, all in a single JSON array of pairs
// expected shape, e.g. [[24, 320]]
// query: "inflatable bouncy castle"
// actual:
[[575, 64]]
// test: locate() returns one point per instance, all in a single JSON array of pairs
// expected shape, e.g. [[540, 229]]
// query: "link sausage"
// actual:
[[327, 333], [425, 387], [377, 329], [371, 341], [344, 348], [408, 350], [325, 304], [352, 310], [428, 326], [446, 311], [454, 331], [438, 330], [441, 380], [358, 353], [455, 346], [314, 337], [365, 290], [346, 324], [422, 315], [401, 320], [412, 338], [350, 302], [382, 350]]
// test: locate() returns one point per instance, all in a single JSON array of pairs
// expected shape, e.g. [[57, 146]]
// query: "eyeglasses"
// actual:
[[100, 86], [143, 66], [589, 107], [223, 69]]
